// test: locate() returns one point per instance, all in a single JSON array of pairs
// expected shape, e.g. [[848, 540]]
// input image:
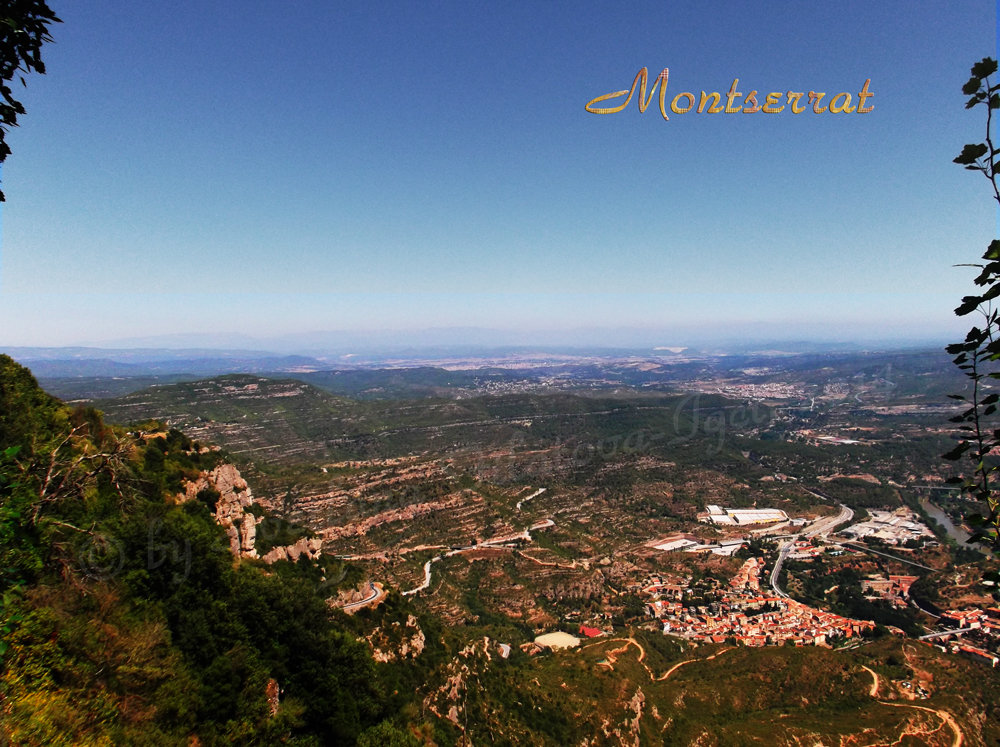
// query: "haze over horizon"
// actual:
[[473, 343], [191, 171]]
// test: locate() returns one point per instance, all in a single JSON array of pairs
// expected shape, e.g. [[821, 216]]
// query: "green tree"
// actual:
[[386, 735], [24, 28], [978, 354]]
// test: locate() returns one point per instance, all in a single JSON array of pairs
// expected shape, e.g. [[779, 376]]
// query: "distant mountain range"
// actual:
[[76, 362], [193, 354], [431, 342], [87, 373]]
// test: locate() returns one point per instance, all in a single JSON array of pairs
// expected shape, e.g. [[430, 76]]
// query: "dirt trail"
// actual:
[[627, 642], [525, 555], [946, 718], [680, 664], [873, 691]]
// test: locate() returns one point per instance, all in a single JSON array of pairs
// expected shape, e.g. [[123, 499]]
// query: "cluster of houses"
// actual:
[[983, 624], [744, 613], [987, 621], [975, 653], [805, 550], [747, 615]]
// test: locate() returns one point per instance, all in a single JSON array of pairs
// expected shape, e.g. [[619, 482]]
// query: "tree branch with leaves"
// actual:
[[978, 355], [24, 28]]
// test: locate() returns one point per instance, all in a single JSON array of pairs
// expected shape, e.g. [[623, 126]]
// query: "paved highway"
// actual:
[[782, 554], [823, 526], [376, 592], [865, 548]]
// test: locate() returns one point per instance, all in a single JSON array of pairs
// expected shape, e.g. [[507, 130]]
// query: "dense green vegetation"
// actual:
[[125, 618]]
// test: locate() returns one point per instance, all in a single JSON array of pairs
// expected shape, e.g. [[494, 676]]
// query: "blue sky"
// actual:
[[270, 168]]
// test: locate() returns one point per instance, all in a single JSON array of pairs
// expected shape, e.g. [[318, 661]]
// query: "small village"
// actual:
[[745, 614]]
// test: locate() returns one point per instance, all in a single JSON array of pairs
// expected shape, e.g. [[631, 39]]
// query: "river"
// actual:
[[956, 533]]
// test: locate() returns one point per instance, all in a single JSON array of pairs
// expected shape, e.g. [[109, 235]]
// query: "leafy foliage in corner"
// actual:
[[24, 28], [978, 354]]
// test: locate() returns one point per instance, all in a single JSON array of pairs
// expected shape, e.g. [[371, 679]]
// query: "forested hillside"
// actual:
[[126, 619]]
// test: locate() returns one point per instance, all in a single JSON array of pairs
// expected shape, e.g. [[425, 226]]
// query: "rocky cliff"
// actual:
[[231, 512]]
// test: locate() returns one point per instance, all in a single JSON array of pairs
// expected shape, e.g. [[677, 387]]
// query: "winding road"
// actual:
[[495, 542], [533, 495], [820, 527], [823, 526], [376, 594]]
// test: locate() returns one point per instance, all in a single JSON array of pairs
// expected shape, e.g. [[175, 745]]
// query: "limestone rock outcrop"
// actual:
[[231, 512], [398, 641], [309, 546], [235, 497]]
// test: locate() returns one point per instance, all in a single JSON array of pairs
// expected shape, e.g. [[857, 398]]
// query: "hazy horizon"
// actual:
[[483, 342]]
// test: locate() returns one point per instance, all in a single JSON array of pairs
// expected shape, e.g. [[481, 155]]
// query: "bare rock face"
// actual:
[[230, 509], [414, 646], [398, 642], [310, 547], [192, 488], [235, 497], [636, 705], [230, 484], [272, 692], [248, 535]]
